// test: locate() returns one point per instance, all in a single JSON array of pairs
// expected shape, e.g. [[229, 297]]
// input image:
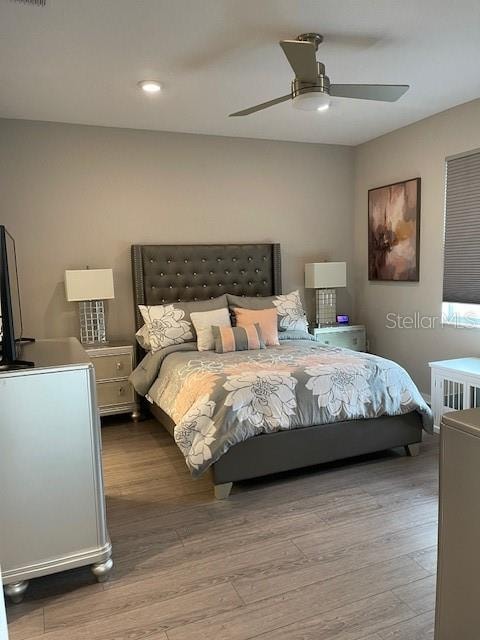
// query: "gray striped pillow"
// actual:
[[229, 339]]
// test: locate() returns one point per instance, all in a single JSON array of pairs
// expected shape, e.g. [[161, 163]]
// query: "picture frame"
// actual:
[[394, 231]]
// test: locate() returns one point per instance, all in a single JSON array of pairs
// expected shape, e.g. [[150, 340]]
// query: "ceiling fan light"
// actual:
[[312, 101], [150, 86]]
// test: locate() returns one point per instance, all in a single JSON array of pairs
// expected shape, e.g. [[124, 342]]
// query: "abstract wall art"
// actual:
[[394, 231]]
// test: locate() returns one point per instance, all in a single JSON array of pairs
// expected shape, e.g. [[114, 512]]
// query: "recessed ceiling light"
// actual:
[[150, 86]]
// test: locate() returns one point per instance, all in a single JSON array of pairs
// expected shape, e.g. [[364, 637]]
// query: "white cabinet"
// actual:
[[345, 336], [51, 500], [455, 385]]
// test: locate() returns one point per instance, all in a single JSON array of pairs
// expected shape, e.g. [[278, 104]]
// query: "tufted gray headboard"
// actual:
[[164, 273]]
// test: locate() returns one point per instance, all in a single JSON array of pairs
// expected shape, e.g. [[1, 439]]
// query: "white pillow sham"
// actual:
[[143, 338], [291, 314], [168, 324], [203, 322]]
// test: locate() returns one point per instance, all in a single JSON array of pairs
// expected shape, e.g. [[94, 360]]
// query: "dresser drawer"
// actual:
[[112, 367], [116, 392], [354, 339]]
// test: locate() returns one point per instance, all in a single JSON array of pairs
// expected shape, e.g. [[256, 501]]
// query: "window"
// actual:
[[461, 277], [461, 315]]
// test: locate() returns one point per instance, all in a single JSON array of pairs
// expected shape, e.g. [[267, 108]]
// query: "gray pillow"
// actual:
[[291, 314], [168, 324]]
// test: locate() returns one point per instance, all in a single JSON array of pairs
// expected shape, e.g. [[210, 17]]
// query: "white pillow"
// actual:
[[203, 322]]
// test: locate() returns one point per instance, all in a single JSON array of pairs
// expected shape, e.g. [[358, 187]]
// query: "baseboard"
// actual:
[[436, 429]]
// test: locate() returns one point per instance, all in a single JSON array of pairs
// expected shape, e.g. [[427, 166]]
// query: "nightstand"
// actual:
[[345, 336], [113, 363]]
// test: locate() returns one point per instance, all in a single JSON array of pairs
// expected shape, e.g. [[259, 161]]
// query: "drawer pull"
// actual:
[[119, 366], [121, 391]]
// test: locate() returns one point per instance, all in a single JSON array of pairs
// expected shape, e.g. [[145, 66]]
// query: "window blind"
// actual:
[[461, 277]]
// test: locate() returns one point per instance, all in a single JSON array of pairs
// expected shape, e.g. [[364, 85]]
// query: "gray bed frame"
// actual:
[[172, 273]]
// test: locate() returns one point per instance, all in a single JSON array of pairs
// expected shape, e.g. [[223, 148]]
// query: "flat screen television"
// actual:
[[11, 328]]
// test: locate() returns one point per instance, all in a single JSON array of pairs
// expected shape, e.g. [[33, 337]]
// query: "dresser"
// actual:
[[113, 363], [52, 506], [345, 336], [458, 585]]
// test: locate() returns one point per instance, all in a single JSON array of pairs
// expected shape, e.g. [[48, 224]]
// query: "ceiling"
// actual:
[[80, 62]]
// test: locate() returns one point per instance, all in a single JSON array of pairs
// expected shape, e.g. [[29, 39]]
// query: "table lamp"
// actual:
[[325, 277], [90, 287]]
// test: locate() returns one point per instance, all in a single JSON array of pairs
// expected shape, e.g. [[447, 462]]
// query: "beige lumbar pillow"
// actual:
[[203, 321]]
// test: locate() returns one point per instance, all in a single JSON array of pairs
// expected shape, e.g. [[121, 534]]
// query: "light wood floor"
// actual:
[[344, 552]]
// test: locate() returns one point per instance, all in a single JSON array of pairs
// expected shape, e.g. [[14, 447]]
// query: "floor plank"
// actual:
[[349, 622], [335, 563], [418, 628], [293, 606], [192, 575], [342, 551], [419, 594], [25, 621], [342, 534], [154, 619], [427, 558]]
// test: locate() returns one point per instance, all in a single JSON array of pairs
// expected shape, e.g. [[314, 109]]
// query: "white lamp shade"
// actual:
[[89, 284], [325, 275]]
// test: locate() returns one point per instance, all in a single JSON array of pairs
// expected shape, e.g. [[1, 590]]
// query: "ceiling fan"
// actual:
[[311, 88]]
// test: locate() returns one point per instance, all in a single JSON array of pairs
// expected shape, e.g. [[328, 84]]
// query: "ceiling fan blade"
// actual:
[[264, 105], [302, 59], [383, 92]]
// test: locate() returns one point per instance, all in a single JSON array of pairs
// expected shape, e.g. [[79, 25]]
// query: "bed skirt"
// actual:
[[303, 447]]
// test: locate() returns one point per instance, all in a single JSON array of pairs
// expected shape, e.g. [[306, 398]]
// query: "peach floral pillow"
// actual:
[[266, 318]]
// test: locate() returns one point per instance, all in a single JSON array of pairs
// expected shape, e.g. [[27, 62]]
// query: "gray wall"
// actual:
[[77, 195], [417, 150]]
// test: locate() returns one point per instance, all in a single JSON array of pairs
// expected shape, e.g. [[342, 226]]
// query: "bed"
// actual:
[[165, 274]]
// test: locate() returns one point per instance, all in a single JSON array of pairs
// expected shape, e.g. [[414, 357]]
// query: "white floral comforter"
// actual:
[[217, 401]]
